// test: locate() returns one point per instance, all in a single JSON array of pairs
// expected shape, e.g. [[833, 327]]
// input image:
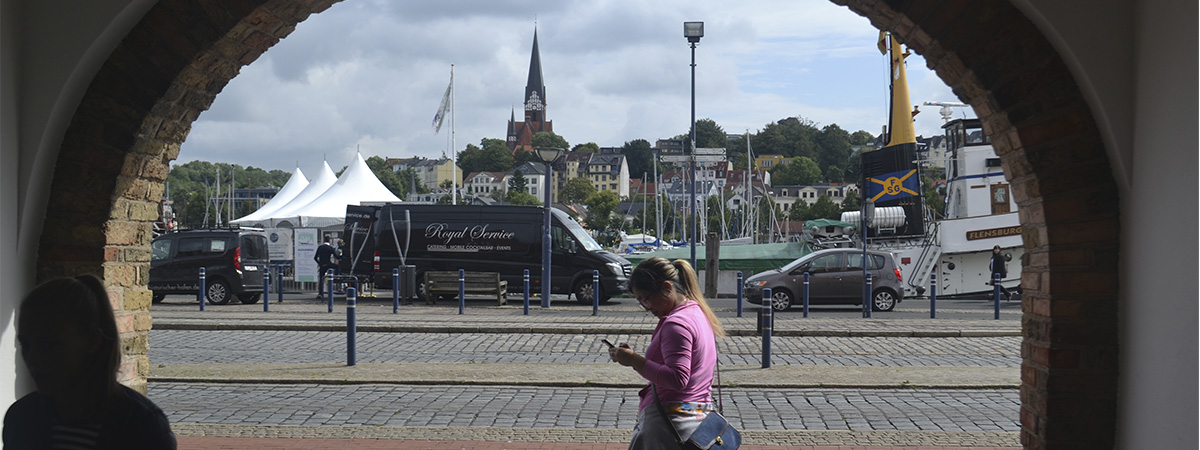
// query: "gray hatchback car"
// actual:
[[835, 278]]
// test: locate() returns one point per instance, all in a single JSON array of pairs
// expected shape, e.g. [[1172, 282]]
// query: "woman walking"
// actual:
[[682, 355]]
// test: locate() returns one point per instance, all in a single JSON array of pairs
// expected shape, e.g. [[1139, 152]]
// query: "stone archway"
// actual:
[[170, 67]]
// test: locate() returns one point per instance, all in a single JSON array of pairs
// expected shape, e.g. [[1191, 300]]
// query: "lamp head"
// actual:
[[693, 31], [548, 155]]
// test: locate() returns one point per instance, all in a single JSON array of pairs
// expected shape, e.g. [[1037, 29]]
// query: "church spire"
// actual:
[[535, 89]]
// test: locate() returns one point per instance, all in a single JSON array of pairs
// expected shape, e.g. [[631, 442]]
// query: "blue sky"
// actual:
[[368, 75]]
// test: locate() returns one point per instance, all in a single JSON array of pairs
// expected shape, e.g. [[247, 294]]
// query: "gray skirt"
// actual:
[[651, 432]]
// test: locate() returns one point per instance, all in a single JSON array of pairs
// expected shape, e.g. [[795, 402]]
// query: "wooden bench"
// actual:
[[474, 283]]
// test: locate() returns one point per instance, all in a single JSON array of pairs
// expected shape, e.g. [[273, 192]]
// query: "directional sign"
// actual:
[[710, 151], [686, 158]]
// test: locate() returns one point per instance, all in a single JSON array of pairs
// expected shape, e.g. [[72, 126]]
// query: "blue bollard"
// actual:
[[462, 290], [867, 307], [806, 294], [933, 296], [595, 292], [996, 293], [203, 288], [351, 325], [527, 292], [767, 325], [266, 289], [740, 284], [396, 290], [329, 287]]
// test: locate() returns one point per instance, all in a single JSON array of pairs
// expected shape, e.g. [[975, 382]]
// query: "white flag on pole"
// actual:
[[442, 109]]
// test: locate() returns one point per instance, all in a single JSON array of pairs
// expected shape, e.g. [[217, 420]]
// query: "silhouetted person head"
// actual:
[[69, 340]]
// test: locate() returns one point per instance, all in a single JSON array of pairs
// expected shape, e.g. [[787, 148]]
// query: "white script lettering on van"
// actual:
[[442, 232]]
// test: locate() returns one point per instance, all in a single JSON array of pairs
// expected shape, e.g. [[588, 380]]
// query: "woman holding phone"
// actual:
[[682, 355]]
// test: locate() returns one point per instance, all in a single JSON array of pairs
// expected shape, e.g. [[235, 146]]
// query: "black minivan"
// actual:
[[233, 260]]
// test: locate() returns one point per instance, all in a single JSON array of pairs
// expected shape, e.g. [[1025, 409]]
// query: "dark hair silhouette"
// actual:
[[82, 302]]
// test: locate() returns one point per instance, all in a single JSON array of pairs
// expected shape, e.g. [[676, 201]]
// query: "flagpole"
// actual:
[[453, 150]]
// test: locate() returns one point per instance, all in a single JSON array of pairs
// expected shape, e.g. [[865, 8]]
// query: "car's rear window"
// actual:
[[254, 246]]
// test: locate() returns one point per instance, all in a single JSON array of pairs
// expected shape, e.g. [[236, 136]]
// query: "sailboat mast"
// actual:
[[453, 149]]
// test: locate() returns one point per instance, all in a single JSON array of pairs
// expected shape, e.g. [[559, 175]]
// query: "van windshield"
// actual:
[[580, 234]]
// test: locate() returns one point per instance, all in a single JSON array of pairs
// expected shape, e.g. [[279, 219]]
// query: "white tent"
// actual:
[[317, 186], [291, 189], [356, 185]]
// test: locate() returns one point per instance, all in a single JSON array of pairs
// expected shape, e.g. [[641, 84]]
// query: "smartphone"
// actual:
[[609, 344]]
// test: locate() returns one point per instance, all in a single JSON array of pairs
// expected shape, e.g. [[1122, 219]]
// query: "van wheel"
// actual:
[[781, 299], [883, 300], [217, 292], [157, 298], [583, 292], [249, 299]]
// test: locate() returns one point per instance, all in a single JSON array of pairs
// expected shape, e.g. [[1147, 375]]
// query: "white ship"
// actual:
[[980, 212]]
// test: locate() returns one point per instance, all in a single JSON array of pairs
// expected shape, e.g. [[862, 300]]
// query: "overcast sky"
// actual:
[[368, 75]]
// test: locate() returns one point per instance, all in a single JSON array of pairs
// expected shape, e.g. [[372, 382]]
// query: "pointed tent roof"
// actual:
[[357, 184], [317, 186], [291, 189]]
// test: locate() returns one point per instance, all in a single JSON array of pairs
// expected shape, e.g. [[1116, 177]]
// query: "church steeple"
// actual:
[[535, 88]]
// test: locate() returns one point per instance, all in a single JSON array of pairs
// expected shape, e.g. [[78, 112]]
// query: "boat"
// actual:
[[980, 211]]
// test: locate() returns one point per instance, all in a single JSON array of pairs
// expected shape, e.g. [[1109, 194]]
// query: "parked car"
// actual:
[[233, 260], [835, 278]]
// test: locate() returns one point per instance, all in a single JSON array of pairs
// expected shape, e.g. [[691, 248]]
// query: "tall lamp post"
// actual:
[[693, 31], [548, 155]]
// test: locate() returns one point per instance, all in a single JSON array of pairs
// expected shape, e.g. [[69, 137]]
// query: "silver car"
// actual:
[[835, 278]]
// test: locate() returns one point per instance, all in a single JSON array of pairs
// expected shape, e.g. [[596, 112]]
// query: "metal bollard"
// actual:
[[266, 288], [740, 284], [527, 292], [203, 288], [396, 290], [806, 294], [329, 287], [595, 292], [462, 290], [278, 285], [867, 306], [996, 293], [768, 325], [351, 325], [933, 296]]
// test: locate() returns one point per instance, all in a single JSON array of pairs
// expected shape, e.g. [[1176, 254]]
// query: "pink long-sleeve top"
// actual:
[[681, 357]]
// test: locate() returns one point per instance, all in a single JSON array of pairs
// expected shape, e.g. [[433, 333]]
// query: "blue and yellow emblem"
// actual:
[[892, 186]]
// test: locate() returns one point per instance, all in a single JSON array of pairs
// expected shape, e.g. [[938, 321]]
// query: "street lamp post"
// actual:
[[693, 31], [547, 155]]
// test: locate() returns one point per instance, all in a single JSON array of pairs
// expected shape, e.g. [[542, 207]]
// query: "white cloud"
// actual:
[[368, 75]]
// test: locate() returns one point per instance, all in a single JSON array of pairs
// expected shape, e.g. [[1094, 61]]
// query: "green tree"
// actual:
[[802, 171], [861, 137], [824, 208], [494, 156], [708, 135], [600, 210], [851, 202], [521, 198], [590, 147], [798, 211], [833, 148], [640, 157], [793, 136], [517, 182], [577, 190], [548, 139]]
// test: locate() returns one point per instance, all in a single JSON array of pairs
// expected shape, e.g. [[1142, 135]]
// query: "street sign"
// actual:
[[686, 158], [710, 151]]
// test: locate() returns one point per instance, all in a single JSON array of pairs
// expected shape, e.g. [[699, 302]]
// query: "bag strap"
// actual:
[[662, 411]]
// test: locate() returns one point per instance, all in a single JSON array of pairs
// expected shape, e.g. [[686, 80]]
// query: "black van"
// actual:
[[233, 260], [504, 239]]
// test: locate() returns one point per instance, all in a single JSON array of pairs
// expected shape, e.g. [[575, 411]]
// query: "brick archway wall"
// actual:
[[140, 106]]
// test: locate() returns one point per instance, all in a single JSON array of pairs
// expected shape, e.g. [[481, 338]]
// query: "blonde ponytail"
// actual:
[[690, 282]]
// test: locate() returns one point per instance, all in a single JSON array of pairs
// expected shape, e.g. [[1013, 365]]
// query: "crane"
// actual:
[[946, 112]]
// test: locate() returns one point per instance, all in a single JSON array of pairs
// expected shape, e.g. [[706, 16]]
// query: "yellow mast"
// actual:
[[900, 118]]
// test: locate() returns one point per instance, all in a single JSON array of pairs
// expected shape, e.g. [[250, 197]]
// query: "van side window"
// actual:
[[160, 249], [191, 247], [560, 240], [855, 261]]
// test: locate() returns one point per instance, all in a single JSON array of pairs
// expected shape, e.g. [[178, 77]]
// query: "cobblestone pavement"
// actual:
[[258, 347], [589, 408]]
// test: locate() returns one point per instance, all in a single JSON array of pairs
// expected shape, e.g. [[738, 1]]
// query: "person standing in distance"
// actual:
[[998, 267], [68, 339], [324, 259], [680, 361]]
